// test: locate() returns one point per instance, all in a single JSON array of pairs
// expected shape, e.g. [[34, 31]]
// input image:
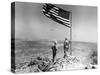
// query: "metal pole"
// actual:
[[71, 32]]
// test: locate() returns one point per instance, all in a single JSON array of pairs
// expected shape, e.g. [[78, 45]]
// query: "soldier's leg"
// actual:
[[65, 53], [54, 57]]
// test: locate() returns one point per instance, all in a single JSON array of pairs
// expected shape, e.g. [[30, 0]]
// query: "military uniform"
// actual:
[[54, 52], [66, 47]]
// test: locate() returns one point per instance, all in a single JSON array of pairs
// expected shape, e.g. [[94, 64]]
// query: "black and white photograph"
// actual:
[[47, 37]]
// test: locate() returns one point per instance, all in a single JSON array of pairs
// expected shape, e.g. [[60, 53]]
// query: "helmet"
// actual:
[[65, 38], [55, 41]]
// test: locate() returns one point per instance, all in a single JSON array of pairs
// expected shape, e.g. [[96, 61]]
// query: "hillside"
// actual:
[[35, 56]]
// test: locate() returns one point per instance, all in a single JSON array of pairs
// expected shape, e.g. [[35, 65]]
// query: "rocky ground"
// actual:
[[44, 64], [37, 57]]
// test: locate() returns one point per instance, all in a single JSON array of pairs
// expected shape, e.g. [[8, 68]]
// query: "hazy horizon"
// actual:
[[21, 39]]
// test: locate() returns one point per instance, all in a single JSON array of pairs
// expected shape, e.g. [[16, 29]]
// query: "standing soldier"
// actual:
[[66, 47], [54, 50]]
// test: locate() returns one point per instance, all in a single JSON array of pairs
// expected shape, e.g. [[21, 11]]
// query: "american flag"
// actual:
[[57, 14]]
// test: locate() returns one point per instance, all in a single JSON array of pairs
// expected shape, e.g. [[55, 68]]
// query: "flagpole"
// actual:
[[71, 33], [58, 16]]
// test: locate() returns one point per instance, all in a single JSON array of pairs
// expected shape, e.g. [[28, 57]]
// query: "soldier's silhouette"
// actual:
[[54, 51], [66, 47]]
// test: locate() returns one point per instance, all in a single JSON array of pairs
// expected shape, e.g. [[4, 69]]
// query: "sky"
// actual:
[[32, 24]]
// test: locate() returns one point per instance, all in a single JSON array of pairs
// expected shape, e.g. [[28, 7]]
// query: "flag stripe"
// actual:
[[63, 21], [56, 8], [51, 16], [57, 14], [68, 21], [57, 20], [47, 7], [53, 12], [61, 18]]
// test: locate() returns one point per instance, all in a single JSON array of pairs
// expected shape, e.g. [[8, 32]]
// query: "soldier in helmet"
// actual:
[[54, 50], [66, 47]]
